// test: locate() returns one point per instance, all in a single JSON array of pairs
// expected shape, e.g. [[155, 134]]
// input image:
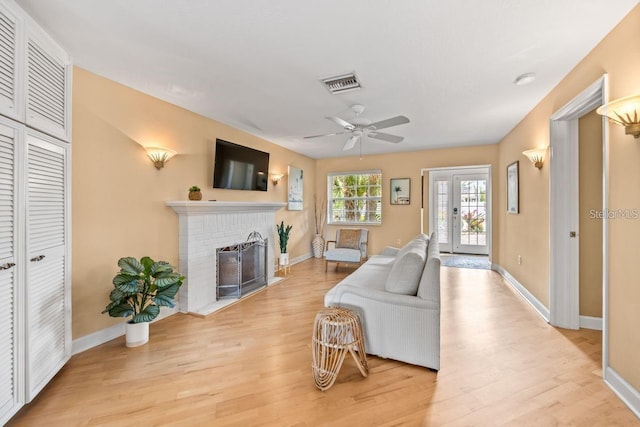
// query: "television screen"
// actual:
[[240, 168]]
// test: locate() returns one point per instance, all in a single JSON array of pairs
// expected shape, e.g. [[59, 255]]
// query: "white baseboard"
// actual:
[[588, 322], [623, 389], [524, 292], [112, 332], [301, 258]]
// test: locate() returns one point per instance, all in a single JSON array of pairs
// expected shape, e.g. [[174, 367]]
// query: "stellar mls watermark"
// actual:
[[614, 214]]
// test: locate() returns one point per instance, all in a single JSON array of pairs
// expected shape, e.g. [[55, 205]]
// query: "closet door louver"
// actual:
[[10, 83], [48, 327], [10, 366], [47, 87]]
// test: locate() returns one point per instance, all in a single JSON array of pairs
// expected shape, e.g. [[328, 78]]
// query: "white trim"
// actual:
[[564, 293], [605, 228], [355, 172], [300, 258], [434, 173], [524, 293], [588, 322], [112, 332], [623, 389]]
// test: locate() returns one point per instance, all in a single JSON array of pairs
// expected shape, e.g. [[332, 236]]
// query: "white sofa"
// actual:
[[397, 295]]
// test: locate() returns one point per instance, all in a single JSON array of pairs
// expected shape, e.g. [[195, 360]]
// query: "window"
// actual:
[[355, 197]]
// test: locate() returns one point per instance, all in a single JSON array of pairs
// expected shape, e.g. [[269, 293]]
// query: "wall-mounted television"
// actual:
[[240, 168]]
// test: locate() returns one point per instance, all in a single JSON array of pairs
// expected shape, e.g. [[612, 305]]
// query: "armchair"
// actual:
[[349, 247]]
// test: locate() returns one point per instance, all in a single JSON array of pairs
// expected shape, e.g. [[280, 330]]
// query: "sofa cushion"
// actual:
[[406, 270], [349, 239], [429, 288], [420, 241]]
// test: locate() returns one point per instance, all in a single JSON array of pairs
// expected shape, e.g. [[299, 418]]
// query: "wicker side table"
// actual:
[[336, 332]]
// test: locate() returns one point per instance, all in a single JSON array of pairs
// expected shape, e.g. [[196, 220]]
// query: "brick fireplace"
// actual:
[[205, 226]]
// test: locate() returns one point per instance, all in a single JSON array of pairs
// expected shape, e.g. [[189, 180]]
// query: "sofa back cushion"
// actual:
[[407, 268], [429, 288]]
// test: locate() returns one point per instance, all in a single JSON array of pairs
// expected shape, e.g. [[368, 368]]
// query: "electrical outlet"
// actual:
[[398, 241], [519, 259]]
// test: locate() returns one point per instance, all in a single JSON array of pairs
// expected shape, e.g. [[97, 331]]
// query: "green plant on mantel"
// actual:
[[194, 188], [283, 234], [141, 288]]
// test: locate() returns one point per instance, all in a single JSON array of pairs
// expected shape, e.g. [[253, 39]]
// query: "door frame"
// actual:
[[488, 169], [564, 285]]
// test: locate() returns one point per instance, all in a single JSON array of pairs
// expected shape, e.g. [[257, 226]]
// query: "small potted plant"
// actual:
[[141, 288], [194, 193], [283, 235]]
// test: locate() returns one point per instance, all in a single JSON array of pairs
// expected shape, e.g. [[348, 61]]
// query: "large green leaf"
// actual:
[[169, 280], [120, 310], [146, 263], [161, 267], [122, 278], [149, 313], [165, 296], [127, 287], [130, 265], [117, 295]]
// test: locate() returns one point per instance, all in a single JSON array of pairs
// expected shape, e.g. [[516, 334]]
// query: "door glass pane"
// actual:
[[442, 209], [473, 212]]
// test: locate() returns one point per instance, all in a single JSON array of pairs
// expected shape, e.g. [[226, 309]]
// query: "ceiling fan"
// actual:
[[358, 127]]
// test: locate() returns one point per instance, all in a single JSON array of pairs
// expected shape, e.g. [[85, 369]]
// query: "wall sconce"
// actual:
[[159, 155], [276, 177], [536, 156], [624, 112]]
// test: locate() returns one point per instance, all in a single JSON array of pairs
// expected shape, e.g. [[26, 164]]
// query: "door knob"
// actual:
[[38, 258], [572, 234]]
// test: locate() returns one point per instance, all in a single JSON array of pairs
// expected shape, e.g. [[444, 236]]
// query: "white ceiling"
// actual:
[[447, 65]]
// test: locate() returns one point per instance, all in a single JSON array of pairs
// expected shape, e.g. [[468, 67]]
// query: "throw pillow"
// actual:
[[406, 271], [349, 239]]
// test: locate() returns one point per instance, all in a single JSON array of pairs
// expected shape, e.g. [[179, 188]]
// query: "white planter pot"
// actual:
[[137, 334], [284, 259]]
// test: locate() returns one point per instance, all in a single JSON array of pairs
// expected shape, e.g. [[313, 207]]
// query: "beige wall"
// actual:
[[118, 196], [590, 240], [402, 222], [527, 234]]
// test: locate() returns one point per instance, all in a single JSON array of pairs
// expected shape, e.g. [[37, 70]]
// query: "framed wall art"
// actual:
[[513, 188], [400, 191], [295, 189]]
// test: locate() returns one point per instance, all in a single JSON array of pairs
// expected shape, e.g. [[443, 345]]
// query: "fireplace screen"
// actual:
[[242, 268]]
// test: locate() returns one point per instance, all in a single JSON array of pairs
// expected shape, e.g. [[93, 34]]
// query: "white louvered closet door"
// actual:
[[47, 277], [10, 323], [48, 86], [10, 65]]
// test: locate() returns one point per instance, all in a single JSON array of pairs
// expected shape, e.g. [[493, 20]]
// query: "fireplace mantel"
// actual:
[[210, 207], [205, 226]]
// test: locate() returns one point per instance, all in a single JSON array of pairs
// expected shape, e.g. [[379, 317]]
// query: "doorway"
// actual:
[[459, 201]]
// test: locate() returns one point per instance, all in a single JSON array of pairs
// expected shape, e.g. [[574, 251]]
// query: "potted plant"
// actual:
[[141, 288], [194, 193], [283, 234]]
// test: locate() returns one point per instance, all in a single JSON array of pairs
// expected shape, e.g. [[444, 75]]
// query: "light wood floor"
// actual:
[[250, 364]]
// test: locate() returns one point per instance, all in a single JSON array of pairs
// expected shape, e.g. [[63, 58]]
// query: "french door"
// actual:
[[459, 211]]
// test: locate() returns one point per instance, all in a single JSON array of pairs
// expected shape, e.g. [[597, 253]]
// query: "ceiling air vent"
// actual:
[[342, 83]]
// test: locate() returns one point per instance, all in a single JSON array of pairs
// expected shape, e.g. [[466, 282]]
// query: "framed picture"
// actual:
[[512, 188], [400, 191], [295, 189]]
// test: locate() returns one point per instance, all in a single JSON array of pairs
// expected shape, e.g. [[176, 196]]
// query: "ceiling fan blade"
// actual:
[[393, 121], [386, 137], [325, 134], [351, 142], [345, 124]]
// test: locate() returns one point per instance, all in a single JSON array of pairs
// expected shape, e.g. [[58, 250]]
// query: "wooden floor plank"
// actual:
[[250, 365]]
